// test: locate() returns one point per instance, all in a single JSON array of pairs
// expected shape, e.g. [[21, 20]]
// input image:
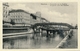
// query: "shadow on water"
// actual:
[[27, 43], [9, 43]]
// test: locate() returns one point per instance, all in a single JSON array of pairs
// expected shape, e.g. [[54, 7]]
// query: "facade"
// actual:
[[36, 18], [44, 20], [39, 18], [20, 17], [38, 14], [6, 19]]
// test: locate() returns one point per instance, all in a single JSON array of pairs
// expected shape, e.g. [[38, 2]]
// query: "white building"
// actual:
[[20, 17], [6, 20]]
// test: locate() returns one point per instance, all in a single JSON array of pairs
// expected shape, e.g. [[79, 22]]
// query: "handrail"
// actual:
[[52, 23]]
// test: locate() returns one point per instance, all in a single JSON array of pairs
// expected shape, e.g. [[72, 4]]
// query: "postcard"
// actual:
[[40, 25]]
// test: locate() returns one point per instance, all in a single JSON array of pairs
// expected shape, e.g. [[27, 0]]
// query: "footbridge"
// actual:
[[52, 28]]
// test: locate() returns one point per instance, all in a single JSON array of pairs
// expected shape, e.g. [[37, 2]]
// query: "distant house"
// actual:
[[20, 17], [36, 18], [6, 20]]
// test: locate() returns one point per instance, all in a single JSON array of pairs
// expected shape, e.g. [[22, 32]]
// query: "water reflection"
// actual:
[[29, 43]]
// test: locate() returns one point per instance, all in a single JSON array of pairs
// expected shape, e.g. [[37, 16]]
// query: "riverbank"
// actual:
[[19, 34], [15, 29], [71, 42]]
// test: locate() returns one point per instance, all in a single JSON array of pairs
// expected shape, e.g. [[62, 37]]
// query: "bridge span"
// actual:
[[52, 28]]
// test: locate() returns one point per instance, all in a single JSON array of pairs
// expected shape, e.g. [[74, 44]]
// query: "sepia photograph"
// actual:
[[40, 25]]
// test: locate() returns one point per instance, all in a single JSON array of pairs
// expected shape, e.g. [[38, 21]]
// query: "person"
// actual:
[[61, 34], [71, 34]]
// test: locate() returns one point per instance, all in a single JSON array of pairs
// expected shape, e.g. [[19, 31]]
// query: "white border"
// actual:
[[1, 1]]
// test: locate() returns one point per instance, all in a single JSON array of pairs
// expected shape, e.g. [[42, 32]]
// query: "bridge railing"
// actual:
[[49, 25]]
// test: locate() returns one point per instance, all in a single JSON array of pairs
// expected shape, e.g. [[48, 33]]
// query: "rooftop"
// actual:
[[5, 4], [19, 10]]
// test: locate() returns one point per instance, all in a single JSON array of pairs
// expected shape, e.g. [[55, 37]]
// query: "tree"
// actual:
[[12, 22], [34, 16]]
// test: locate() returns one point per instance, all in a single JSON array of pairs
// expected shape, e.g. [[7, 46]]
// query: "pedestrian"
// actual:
[[71, 32]]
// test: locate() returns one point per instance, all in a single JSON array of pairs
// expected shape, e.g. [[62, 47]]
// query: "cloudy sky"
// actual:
[[54, 12]]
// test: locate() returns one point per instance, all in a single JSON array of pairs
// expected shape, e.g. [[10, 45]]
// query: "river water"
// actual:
[[30, 43]]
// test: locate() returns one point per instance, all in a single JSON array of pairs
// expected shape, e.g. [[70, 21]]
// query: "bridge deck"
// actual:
[[51, 23]]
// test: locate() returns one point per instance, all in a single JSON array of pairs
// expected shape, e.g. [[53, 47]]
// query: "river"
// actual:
[[30, 43]]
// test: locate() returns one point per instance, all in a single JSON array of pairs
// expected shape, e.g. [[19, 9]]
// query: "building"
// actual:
[[36, 18], [20, 17], [39, 18], [44, 20], [6, 20], [38, 14]]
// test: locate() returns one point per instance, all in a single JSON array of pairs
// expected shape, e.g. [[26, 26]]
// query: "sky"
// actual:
[[54, 12]]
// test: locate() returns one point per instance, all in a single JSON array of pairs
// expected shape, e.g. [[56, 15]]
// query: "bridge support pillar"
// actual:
[[62, 33], [53, 33], [48, 33], [40, 31], [34, 33]]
